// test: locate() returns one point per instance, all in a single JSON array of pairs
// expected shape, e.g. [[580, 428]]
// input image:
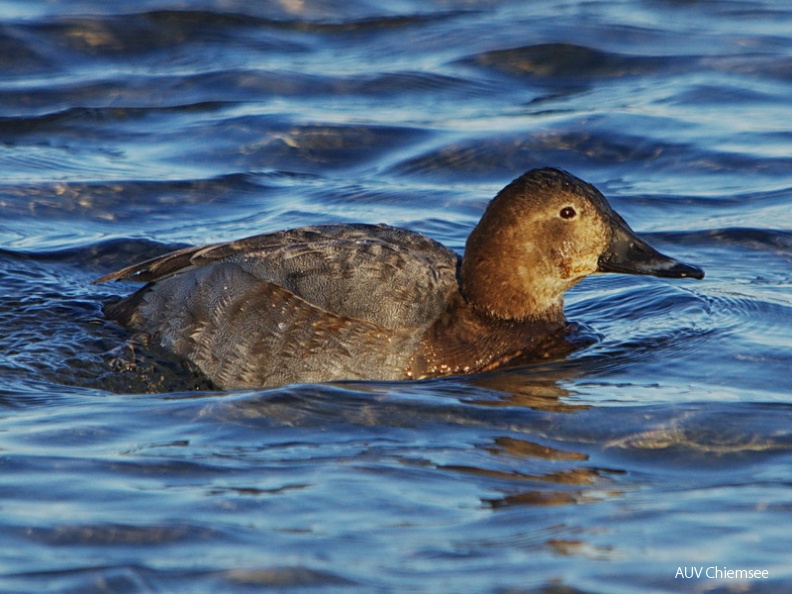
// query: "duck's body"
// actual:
[[376, 302]]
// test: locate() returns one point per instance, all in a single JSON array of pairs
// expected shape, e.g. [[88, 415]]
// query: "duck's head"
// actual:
[[543, 233]]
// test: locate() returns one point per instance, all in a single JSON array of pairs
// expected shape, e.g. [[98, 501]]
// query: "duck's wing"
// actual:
[[241, 331], [386, 275], [156, 268]]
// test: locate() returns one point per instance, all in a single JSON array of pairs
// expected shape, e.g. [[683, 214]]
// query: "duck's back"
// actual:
[[308, 304], [386, 275]]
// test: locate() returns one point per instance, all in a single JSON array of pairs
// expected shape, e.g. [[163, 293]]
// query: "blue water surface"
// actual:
[[130, 128]]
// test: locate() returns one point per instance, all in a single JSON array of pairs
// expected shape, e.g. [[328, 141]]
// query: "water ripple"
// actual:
[[570, 62]]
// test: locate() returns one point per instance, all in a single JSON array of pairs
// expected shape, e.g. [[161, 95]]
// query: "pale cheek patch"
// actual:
[[571, 263]]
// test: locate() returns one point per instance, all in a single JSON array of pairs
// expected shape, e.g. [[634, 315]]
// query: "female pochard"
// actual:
[[375, 302]]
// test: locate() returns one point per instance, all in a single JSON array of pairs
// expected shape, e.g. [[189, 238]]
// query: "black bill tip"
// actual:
[[662, 266], [629, 254]]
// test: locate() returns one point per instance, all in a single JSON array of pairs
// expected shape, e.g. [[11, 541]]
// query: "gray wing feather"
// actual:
[[243, 331], [386, 275]]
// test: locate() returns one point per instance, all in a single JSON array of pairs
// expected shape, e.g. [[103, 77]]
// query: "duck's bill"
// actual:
[[629, 254]]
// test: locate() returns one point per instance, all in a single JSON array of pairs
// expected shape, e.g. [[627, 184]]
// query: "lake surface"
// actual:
[[129, 128]]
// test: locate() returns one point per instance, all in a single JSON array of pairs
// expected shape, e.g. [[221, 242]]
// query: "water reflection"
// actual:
[[562, 476], [522, 448], [540, 387]]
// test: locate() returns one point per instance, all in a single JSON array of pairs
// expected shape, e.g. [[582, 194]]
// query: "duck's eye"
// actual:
[[568, 213]]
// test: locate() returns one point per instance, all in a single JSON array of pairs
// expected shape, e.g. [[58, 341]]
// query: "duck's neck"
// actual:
[[509, 277], [467, 339]]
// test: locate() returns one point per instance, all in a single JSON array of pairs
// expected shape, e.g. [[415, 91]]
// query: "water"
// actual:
[[130, 128]]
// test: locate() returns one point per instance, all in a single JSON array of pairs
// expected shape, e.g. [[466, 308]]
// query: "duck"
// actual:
[[375, 302]]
